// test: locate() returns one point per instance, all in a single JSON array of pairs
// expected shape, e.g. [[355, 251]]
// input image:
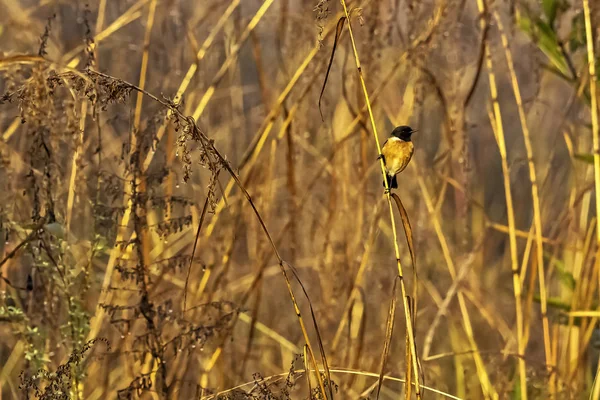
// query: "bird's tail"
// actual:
[[391, 182]]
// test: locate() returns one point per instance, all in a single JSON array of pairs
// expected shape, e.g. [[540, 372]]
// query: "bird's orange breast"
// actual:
[[397, 154]]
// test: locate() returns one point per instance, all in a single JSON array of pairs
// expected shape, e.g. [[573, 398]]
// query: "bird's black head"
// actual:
[[403, 132]]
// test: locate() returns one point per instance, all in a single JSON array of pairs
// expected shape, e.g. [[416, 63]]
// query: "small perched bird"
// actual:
[[396, 153]]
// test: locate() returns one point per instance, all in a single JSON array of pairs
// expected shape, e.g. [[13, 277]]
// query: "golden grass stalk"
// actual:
[[106, 294], [432, 208], [282, 264], [76, 154], [231, 58], [71, 59], [521, 343], [143, 70], [407, 316], [484, 379], [307, 368], [594, 107], [358, 279], [150, 362], [126, 18], [346, 371], [500, 140], [261, 137], [389, 330], [596, 141]]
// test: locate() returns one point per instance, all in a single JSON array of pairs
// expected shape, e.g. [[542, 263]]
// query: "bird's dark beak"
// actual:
[[414, 130]]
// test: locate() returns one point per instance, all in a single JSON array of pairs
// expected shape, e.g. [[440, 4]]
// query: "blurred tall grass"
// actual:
[[250, 73]]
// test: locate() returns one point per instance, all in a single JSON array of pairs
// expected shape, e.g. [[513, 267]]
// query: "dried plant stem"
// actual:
[[347, 371], [76, 154], [137, 182], [467, 324], [205, 141], [358, 280], [521, 343], [596, 141], [260, 138], [143, 69], [183, 86], [231, 58], [101, 14], [594, 106], [282, 265], [105, 293], [126, 18], [484, 379], [204, 48], [407, 316]]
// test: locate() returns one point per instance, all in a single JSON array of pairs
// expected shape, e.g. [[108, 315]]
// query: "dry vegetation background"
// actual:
[[133, 265]]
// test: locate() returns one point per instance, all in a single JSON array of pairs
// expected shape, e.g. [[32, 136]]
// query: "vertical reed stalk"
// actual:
[[594, 107], [596, 141], [76, 154], [407, 316], [124, 221], [499, 133], [486, 385], [521, 343]]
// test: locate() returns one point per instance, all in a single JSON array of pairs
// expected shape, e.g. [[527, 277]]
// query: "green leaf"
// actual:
[[554, 302], [565, 277], [516, 391], [546, 39], [550, 7]]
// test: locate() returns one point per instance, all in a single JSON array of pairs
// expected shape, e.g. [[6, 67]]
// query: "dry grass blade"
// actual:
[[307, 368], [338, 33], [251, 154], [407, 229], [334, 370], [187, 278], [466, 319], [412, 301], [498, 130], [317, 331], [289, 286], [205, 142], [231, 58], [591, 56], [126, 18], [214, 252], [389, 330], [536, 210]]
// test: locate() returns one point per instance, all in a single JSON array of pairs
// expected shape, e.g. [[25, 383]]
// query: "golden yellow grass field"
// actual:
[[191, 201]]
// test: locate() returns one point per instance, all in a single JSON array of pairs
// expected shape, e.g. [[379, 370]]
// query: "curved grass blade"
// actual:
[[187, 278], [338, 33], [407, 229], [317, 331], [389, 330]]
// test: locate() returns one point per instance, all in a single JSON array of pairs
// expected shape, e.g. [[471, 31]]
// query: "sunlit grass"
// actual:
[[183, 216]]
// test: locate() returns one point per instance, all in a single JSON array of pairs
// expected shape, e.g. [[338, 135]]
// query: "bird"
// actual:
[[396, 153]]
